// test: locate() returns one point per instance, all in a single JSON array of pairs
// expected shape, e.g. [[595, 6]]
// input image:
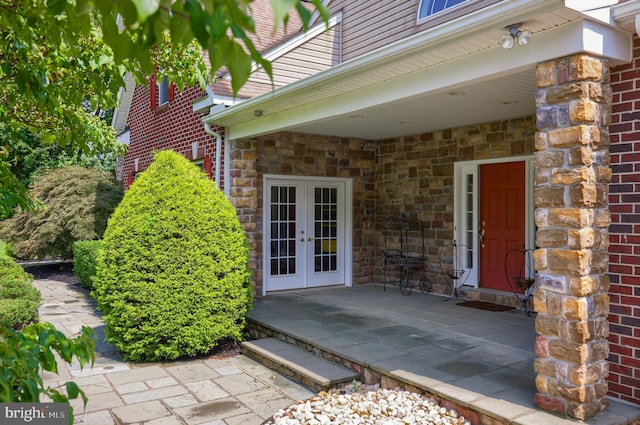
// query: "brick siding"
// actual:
[[171, 126], [624, 250]]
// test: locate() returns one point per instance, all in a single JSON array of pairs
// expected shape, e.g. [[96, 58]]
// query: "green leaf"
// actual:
[[197, 18], [239, 64], [129, 13], [56, 7], [305, 15], [281, 9], [180, 26], [146, 8], [72, 390]]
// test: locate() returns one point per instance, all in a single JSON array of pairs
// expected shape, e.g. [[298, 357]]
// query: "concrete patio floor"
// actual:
[[485, 358]]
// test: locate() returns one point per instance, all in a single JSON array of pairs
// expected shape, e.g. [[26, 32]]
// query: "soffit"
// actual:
[[496, 96]]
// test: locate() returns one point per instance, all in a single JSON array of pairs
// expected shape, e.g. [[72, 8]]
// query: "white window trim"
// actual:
[[445, 10], [451, 13]]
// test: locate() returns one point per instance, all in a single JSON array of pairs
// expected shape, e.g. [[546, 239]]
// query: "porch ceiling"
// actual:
[[445, 77], [511, 96]]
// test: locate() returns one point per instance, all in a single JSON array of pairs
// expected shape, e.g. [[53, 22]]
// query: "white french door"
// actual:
[[306, 233]]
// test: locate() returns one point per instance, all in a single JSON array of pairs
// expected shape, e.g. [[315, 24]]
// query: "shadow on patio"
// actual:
[[479, 360]]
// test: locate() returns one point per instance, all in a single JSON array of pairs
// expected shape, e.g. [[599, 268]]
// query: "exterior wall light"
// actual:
[[515, 36]]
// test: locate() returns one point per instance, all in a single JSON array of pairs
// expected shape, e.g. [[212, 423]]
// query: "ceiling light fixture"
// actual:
[[515, 36], [457, 93]]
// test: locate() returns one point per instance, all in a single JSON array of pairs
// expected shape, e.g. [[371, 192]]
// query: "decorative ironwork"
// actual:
[[519, 271], [404, 248]]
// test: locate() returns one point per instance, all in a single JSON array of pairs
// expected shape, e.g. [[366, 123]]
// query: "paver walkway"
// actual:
[[214, 391]]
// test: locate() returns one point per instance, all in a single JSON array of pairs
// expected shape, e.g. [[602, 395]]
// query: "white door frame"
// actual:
[[348, 224], [461, 232]]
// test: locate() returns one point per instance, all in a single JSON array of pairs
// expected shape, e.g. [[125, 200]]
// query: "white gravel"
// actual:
[[362, 406]]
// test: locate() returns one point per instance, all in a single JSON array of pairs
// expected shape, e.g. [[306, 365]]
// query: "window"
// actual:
[[199, 163], [160, 93], [163, 91], [431, 7], [205, 165]]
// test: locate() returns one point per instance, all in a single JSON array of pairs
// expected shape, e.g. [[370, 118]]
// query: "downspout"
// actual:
[[215, 134]]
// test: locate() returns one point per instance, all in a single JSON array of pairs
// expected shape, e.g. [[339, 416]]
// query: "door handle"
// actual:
[[482, 232], [309, 239]]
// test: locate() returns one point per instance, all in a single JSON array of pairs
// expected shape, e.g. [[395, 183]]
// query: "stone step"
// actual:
[[302, 366]]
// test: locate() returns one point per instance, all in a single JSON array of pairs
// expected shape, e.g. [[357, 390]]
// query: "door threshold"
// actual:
[[495, 296]]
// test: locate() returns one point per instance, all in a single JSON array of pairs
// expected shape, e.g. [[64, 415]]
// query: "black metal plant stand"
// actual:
[[519, 271], [404, 249], [452, 267]]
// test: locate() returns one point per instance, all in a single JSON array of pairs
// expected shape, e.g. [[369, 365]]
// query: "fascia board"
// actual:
[[204, 103], [491, 16], [124, 138], [271, 55], [302, 38], [125, 101], [580, 36], [627, 15], [586, 5]]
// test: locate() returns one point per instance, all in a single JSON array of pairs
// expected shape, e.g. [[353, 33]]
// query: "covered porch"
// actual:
[[479, 362], [421, 126]]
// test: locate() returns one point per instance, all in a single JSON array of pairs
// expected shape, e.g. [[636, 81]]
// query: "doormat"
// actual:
[[483, 305]]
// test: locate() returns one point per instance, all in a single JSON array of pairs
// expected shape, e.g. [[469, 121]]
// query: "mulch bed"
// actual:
[[225, 349], [58, 272]]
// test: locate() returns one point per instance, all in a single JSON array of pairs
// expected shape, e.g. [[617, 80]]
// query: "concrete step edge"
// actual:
[[339, 374]]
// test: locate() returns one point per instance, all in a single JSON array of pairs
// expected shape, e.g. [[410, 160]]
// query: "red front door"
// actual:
[[502, 220]]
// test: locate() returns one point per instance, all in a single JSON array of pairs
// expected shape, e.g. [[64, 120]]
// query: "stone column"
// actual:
[[243, 191], [571, 189]]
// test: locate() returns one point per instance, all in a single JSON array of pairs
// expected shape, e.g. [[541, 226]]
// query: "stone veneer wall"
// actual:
[[572, 176], [414, 177], [293, 154], [411, 175]]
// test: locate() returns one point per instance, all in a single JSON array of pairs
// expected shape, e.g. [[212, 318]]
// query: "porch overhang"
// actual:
[[451, 75]]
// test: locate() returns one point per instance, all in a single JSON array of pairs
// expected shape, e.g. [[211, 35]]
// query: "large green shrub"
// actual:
[[77, 204], [172, 276], [85, 254], [19, 300]]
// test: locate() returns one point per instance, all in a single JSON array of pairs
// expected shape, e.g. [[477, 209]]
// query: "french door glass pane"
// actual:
[[325, 225], [283, 237]]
